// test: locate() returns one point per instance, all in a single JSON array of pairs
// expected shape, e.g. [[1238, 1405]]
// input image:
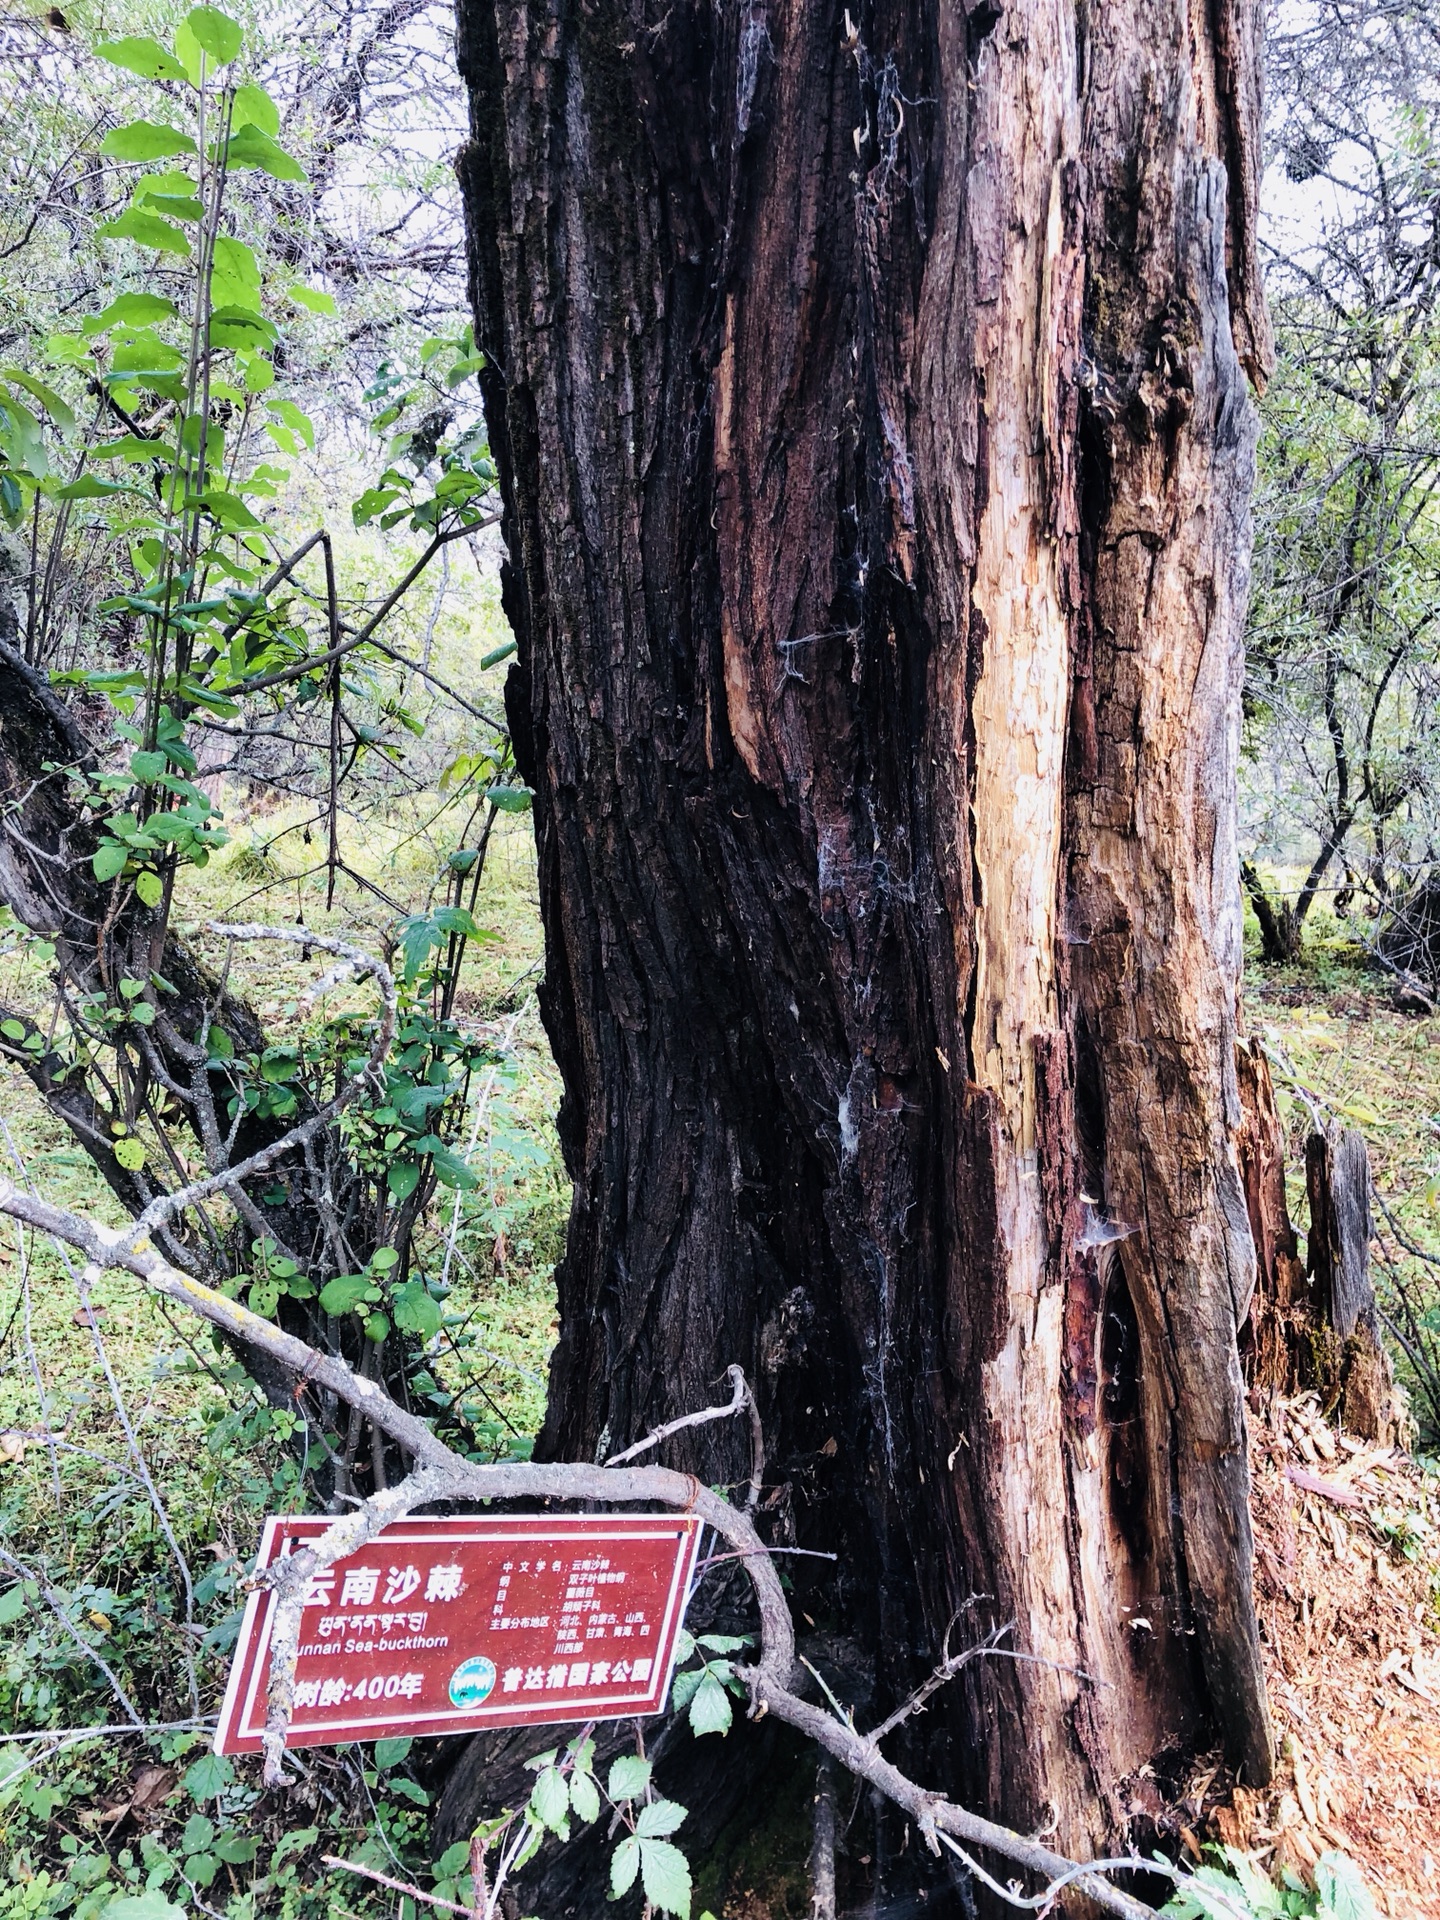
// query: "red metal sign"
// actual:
[[448, 1626]]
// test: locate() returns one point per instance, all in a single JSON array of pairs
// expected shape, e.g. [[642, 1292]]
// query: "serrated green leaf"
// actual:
[[209, 1775], [1341, 1886], [145, 140], [584, 1796], [710, 1710], [659, 1818], [624, 1865], [682, 1690], [550, 1799], [665, 1875], [629, 1777], [137, 53]]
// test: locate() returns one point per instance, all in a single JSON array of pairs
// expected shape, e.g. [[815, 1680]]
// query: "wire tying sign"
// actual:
[[452, 1625]]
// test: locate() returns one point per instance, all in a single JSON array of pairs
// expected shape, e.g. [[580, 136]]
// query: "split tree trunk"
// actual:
[[868, 391]]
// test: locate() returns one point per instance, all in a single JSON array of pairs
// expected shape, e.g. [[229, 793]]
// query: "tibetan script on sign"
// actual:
[[448, 1626]]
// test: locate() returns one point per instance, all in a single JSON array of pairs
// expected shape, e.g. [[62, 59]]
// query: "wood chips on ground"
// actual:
[[1347, 1584]]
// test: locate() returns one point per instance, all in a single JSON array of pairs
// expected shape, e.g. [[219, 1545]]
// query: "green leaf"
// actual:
[[150, 1905], [130, 1152], [665, 1874], [145, 140], [13, 1029], [584, 1796], [390, 1753], [90, 487], [235, 265], [624, 1866], [239, 327], [550, 1799], [146, 230], [659, 1818], [225, 507], [253, 107], [215, 32], [287, 411], [137, 53], [383, 1259], [210, 1775], [249, 147], [150, 887], [109, 859], [147, 767], [629, 1777], [313, 299], [682, 1690], [198, 1835], [416, 1311], [510, 799], [133, 310], [402, 1177], [345, 1293], [58, 411], [12, 1601], [710, 1709], [1342, 1889]]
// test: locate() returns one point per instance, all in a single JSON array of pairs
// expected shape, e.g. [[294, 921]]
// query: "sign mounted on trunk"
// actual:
[[449, 1626]]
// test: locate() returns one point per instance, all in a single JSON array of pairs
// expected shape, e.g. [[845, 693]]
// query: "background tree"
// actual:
[[1342, 683], [868, 392]]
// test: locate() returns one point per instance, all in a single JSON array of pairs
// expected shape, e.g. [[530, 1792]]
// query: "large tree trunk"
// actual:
[[868, 392]]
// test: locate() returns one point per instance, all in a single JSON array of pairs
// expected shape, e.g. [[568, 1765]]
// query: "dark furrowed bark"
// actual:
[[875, 455]]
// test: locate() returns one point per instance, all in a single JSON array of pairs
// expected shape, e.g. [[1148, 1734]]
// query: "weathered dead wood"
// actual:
[[1360, 1382]]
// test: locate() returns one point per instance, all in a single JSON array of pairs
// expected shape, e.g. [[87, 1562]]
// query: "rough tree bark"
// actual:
[[868, 389]]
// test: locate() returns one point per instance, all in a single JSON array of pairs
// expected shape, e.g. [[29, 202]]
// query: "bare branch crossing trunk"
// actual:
[[869, 392]]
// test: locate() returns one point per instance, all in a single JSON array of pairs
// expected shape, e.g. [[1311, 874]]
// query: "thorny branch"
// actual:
[[440, 1474]]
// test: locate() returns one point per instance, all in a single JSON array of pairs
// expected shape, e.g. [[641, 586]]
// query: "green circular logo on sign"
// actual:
[[472, 1681]]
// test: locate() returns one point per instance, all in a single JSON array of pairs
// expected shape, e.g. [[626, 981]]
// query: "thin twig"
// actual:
[[737, 1404]]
